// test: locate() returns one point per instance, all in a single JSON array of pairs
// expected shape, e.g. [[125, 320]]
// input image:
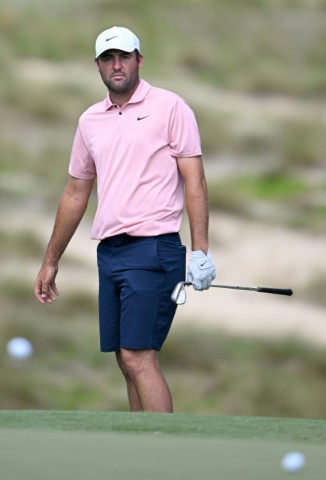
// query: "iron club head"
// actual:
[[179, 293]]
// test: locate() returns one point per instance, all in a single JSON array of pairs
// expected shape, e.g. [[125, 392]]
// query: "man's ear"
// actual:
[[140, 60], [96, 64]]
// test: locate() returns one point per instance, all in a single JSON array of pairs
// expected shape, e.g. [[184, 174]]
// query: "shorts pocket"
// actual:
[[171, 253]]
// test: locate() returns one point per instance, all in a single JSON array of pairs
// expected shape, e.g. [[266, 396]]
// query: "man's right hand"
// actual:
[[45, 288]]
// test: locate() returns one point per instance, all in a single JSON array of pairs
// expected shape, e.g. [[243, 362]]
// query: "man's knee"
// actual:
[[135, 362]]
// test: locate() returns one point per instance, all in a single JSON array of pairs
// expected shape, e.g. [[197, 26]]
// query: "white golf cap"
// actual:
[[118, 38]]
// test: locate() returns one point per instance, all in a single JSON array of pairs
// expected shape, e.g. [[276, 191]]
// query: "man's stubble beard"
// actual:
[[123, 86]]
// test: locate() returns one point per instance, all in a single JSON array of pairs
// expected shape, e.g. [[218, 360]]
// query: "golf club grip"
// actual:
[[276, 291]]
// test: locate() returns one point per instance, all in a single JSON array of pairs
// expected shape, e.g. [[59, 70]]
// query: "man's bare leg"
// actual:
[[134, 402], [145, 380]]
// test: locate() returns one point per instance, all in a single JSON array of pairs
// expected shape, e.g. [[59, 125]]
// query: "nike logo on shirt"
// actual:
[[141, 118]]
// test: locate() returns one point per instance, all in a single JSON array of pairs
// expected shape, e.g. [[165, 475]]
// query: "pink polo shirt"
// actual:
[[132, 151]]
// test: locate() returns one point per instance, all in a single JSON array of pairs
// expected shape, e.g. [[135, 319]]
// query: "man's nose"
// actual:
[[116, 63]]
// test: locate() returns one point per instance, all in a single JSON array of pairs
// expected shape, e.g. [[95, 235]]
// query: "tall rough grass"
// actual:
[[252, 70], [208, 371]]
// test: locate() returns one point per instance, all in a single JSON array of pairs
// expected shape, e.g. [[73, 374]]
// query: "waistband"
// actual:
[[124, 238]]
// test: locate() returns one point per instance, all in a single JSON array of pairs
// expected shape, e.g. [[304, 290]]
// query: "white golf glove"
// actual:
[[201, 270]]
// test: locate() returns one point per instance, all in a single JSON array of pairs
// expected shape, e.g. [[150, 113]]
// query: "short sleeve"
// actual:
[[183, 131], [81, 162]]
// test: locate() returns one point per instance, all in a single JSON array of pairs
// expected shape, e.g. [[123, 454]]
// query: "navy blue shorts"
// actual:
[[136, 278]]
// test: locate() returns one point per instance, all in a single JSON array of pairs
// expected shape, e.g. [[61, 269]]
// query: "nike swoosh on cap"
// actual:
[[108, 39]]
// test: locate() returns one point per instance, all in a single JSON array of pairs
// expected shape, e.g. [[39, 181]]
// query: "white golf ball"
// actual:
[[293, 462], [19, 347]]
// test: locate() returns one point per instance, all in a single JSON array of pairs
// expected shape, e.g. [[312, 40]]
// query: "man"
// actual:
[[142, 146]]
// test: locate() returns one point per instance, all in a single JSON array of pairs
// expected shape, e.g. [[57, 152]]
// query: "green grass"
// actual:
[[74, 445], [277, 197], [228, 427], [80, 456], [273, 187]]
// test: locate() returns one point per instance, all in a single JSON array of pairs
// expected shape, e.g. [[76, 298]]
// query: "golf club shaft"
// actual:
[[275, 291]]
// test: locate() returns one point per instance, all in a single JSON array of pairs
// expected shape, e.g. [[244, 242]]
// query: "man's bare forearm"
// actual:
[[72, 206], [67, 220], [192, 172], [197, 208]]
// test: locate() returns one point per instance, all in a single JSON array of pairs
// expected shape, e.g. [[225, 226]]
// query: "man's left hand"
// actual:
[[201, 270]]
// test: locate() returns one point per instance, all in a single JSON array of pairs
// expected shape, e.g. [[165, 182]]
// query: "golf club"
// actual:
[[179, 293]]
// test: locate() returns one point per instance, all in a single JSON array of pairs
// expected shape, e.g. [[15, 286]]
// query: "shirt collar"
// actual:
[[138, 96]]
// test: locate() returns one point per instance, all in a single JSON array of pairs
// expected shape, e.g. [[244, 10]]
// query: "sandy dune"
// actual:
[[250, 254]]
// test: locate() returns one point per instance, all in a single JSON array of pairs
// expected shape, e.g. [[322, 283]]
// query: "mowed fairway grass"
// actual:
[[61, 445]]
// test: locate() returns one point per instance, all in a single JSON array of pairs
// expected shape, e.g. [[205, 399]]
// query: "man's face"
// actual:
[[119, 70]]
